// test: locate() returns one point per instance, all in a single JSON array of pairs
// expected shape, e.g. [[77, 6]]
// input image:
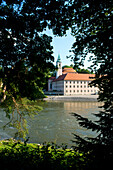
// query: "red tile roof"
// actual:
[[62, 77], [51, 78], [75, 76], [68, 70]]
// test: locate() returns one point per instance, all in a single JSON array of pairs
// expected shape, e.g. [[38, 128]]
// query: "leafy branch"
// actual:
[[16, 110]]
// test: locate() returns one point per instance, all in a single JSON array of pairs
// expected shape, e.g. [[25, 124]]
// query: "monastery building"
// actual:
[[69, 82]]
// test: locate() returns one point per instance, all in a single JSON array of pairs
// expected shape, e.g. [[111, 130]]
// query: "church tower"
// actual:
[[59, 67]]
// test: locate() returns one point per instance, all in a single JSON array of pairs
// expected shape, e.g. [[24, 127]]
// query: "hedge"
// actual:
[[23, 156]]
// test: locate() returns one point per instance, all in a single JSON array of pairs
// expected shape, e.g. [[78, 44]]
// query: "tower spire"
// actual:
[[59, 59], [59, 66]]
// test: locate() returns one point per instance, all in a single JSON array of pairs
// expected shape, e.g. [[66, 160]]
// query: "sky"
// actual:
[[62, 45]]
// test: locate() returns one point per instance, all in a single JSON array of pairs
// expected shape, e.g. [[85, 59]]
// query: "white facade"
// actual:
[[69, 82], [58, 86], [79, 87], [59, 71], [73, 87], [59, 67], [50, 88]]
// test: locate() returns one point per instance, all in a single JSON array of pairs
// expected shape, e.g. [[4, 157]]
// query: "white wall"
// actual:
[[49, 85], [59, 71], [78, 87], [72, 87], [58, 85]]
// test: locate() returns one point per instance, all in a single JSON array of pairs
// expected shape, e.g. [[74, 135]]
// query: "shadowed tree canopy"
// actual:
[[26, 53], [93, 28]]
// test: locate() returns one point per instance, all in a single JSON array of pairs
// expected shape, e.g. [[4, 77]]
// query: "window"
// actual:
[[70, 86], [77, 86], [74, 82], [70, 82], [66, 91], [66, 86], [51, 86], [70, 91], [77, 90], [66, 82], [81, 82], [77, 82], [81, 86], [84, 86], [74, 86], [81, 90], [74, 91], [88, 91], [84, 82], [84, 90]]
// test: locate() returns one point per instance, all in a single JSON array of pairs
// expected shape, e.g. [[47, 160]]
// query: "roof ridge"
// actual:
[[76, 76]]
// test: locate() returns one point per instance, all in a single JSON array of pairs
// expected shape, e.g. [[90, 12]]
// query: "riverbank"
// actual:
[[84, 98], [20, 155]]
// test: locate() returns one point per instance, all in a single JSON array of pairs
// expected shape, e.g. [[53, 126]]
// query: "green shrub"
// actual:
[[18, 155]]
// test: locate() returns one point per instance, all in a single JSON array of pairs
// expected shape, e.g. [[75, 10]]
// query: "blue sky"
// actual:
[[62, 45]]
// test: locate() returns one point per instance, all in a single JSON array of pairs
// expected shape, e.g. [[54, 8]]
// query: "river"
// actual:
[[55, 122]]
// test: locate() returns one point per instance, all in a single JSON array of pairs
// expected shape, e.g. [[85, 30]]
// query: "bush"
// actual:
[[18, 155]]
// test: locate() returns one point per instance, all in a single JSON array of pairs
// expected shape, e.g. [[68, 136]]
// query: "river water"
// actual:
[[55, 122]]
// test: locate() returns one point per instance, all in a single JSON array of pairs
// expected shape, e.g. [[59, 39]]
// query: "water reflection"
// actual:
[[55, 123], [80, 105]]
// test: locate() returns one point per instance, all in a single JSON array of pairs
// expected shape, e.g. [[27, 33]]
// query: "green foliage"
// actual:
[[79, 70], [0, 87], [26, 53], [17, 110], [66, 66], [15, 154], [84, 71], [93, 31]]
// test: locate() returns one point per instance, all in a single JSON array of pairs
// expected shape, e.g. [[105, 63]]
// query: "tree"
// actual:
[[79, 70], [93, 29], [26, 53], [66, 66], [83, 70]]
